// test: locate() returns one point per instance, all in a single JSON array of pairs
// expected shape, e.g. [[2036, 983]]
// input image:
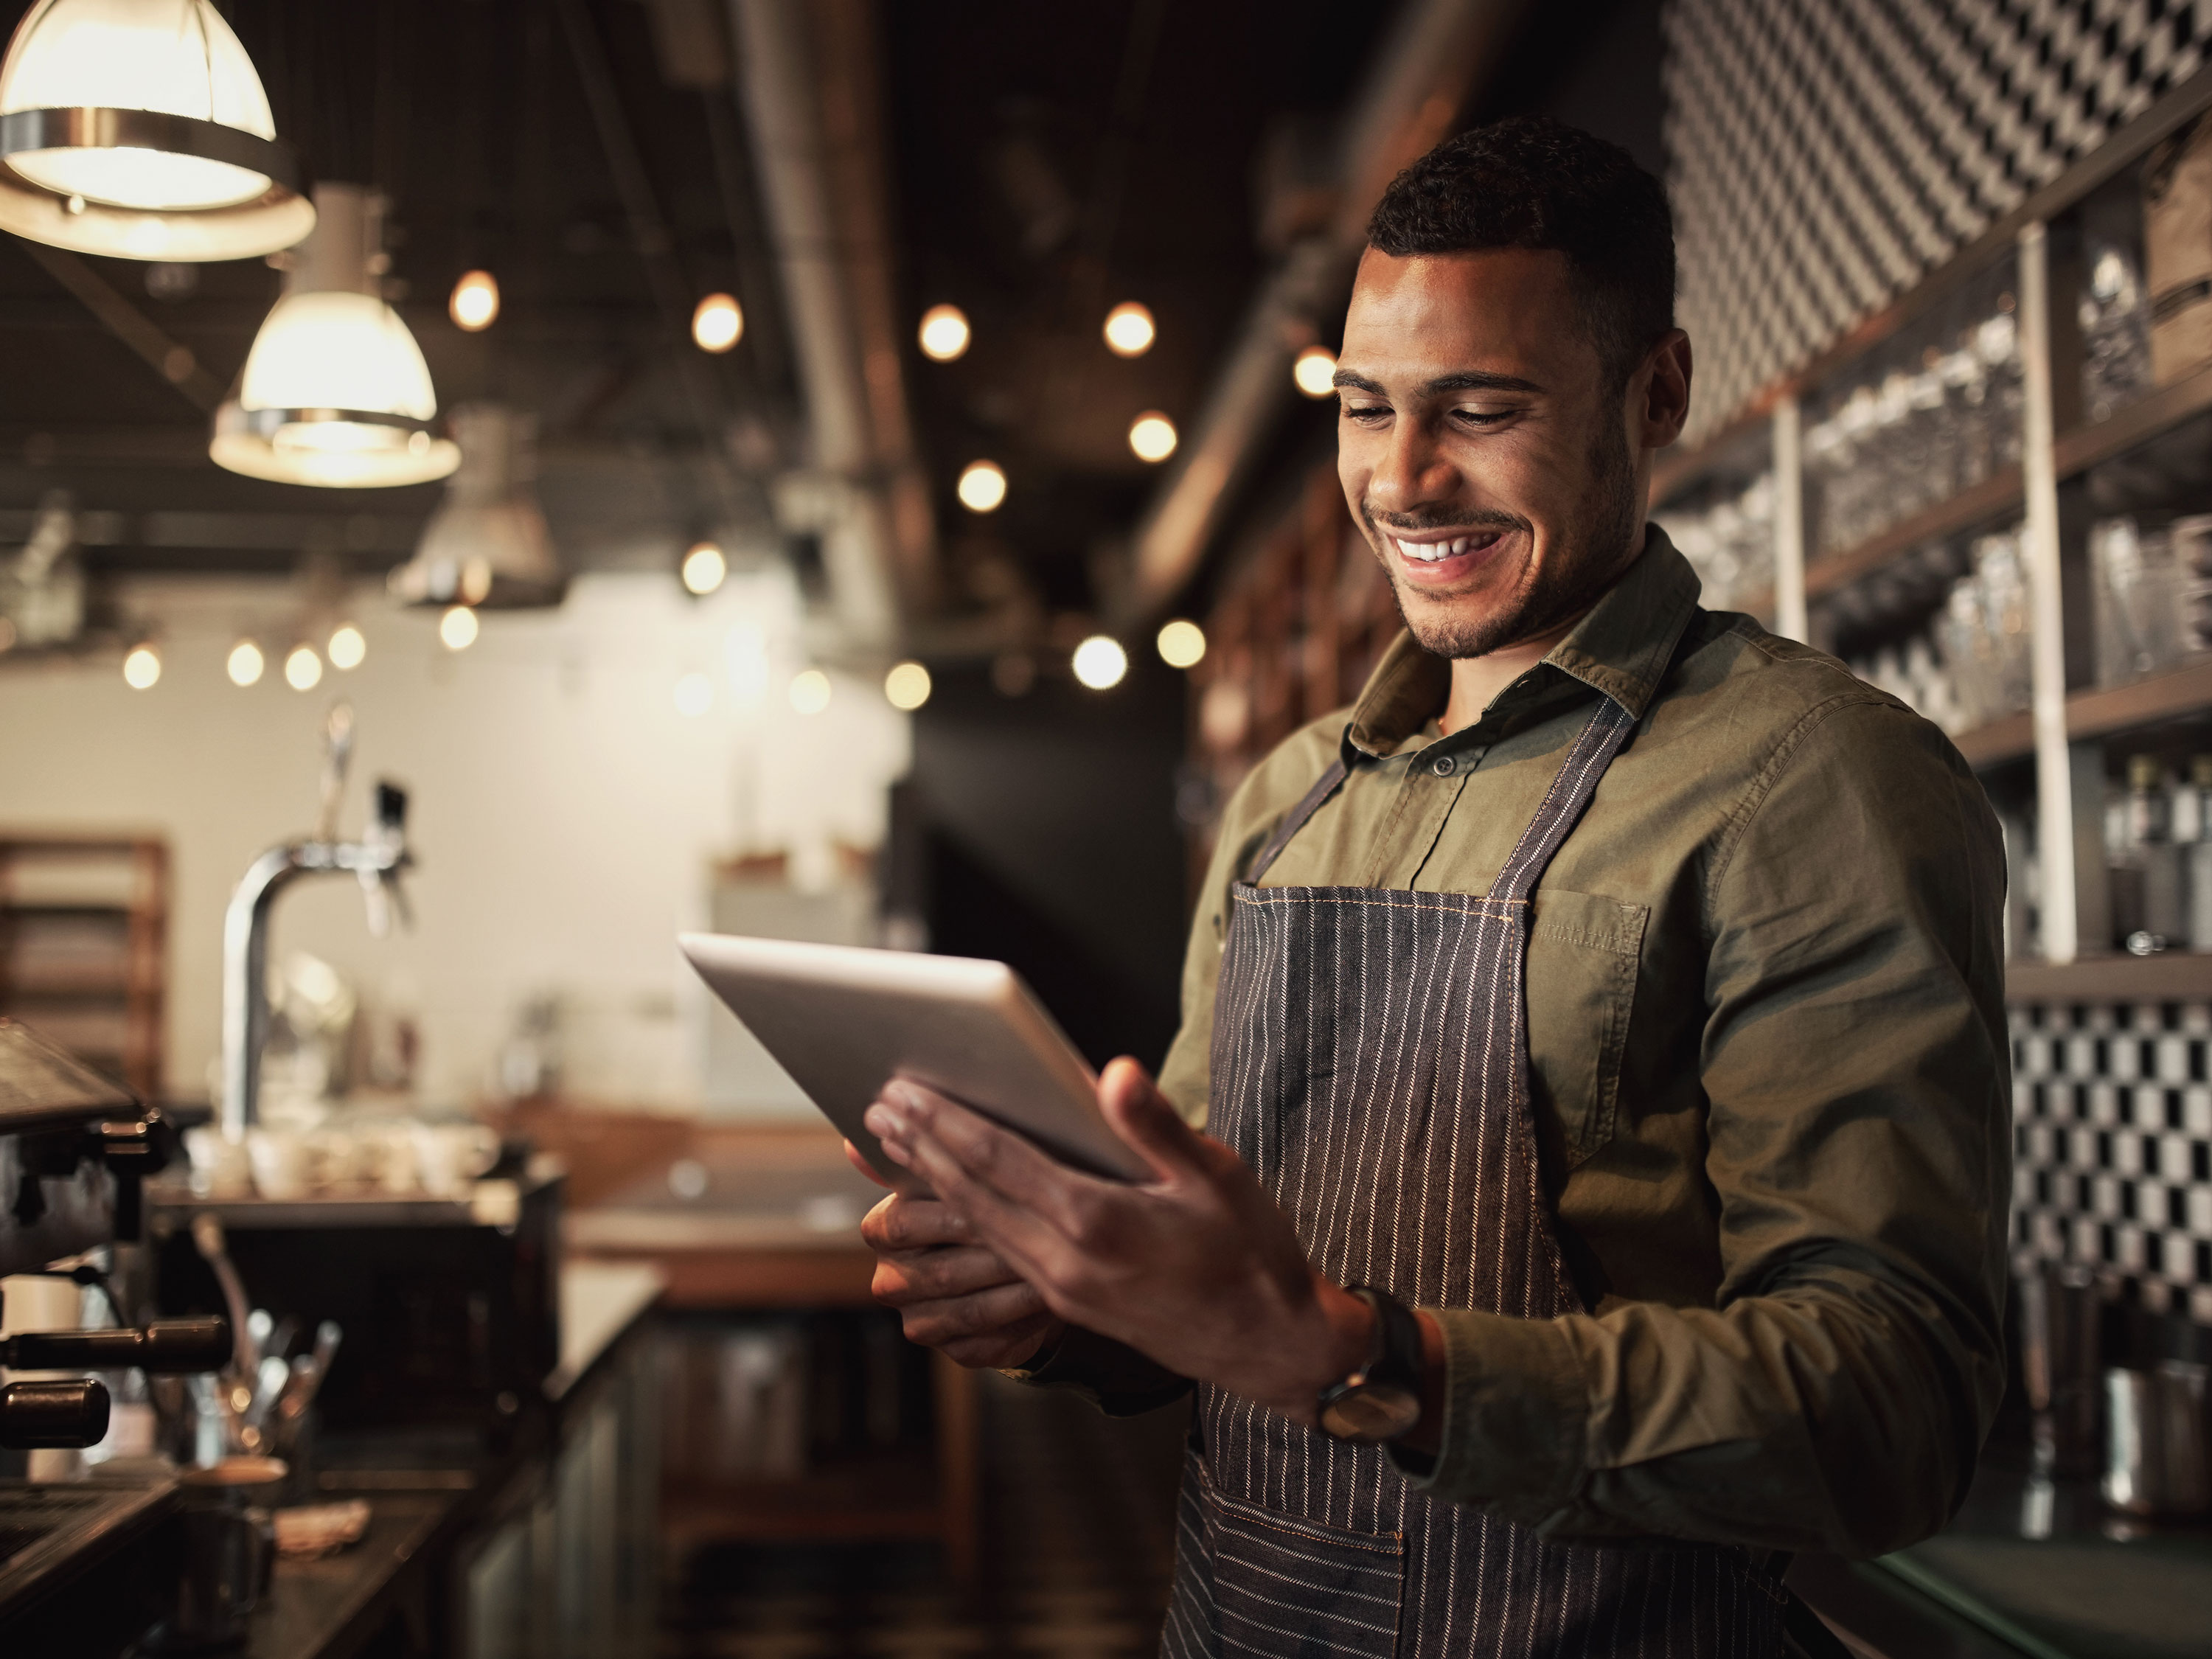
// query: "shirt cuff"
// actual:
[[1514, 1434], [1112, 1375]]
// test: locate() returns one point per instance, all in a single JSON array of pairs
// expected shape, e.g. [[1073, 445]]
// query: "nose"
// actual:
[[1411, 474]]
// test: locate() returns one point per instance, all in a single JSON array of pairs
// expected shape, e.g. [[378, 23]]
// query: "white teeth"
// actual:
[[1431, 552]]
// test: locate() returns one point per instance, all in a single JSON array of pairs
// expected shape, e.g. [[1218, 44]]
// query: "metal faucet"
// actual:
[[376, 861]]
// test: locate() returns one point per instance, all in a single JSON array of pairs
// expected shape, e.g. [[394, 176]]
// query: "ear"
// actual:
[[1662, 388]]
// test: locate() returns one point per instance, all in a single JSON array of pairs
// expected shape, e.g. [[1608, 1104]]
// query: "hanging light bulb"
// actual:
[[142, 667], [303, 669], [335, 392], [1129, 330], [704, 567], [943, 333], [1181, 643], [139, 129], [1100, 663], [475, 305], [718, 323], [906, 688], [1315, 371], [457, 628], [1153, 436], [982, 486], [347, 647], [487, 544], [244, 662]]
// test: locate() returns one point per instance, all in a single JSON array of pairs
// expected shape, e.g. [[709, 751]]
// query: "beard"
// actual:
[[1586, 560]]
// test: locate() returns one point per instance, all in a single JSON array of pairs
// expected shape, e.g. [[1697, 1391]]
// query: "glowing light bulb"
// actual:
[[244, 662], [1152, 435], [347, 647], [704, 567], [695, 696], [475, 304], [906, 686], [303, 669], [458, 628], [1182, 644], [982, 486], [943, 333], [1129, 330], [141, 666], [718, 322], [810, 691], [1315, 371], [1100, 663]]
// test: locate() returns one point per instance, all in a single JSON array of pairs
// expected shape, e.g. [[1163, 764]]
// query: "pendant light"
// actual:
[[138, 129], [335, 390], [486, 546]]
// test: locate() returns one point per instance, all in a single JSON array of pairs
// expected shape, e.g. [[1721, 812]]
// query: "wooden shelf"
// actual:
[[2171, 696], [2010, 738], [2174, 977], [2151, 415]]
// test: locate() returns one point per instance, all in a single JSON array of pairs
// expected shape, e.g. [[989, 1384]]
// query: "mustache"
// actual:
[[1415, 524]]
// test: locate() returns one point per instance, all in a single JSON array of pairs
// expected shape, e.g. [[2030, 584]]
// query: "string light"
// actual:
[[1129, 330], [943, 333], [717, 324], [475, 305], [244, 662], [704, 567], [141, 666], [982, 486], [810, 691], [1100, 663], [1182, 644], [1153, 436], [303, 669], [458, 628], [906, 686], [347, 647], [1315, 371]]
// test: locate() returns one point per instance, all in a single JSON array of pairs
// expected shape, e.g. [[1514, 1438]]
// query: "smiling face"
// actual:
[[1495, 466]]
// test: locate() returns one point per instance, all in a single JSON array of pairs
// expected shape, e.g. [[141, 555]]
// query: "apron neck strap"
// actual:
[[1326, 786]]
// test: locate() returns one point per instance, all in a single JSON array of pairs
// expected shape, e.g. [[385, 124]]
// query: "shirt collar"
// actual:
[[1619, 648]]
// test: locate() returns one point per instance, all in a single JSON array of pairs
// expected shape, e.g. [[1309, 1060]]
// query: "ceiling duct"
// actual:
[[1427, 71], [807, 80], [487, 544]]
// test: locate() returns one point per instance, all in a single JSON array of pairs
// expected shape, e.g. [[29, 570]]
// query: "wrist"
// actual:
[[1345, 1332]]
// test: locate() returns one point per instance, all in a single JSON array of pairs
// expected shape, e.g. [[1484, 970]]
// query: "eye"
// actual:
[[1484, 418], [1366, 410]]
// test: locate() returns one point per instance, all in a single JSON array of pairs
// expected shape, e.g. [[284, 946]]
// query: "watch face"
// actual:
[[1371, 1414]]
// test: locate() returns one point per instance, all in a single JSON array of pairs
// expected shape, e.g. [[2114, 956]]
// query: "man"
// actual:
[[1598, 1032]]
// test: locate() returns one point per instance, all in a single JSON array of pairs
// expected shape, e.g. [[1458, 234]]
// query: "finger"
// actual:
[[932, 1275], [1010, 1164], [903, 1223], [1018, 1345], [853, 1157], [1029, 1242], [934, 1324], [1147, 1120]]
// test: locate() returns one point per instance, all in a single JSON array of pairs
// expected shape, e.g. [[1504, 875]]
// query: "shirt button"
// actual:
[[1443, 766]]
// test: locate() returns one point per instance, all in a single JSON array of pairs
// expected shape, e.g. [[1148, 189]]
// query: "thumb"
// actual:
[[1147, 1120], [852, 1156]]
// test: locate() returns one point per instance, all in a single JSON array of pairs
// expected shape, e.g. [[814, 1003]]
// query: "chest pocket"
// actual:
[[1582, 956]]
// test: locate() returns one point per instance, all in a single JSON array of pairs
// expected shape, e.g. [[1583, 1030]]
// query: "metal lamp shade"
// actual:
[[139, 129], [487, 545]]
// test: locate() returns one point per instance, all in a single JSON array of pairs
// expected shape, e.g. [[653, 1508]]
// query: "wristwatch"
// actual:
[[1382, 1399]]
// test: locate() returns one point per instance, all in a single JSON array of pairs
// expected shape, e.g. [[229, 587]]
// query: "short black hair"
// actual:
[[1532, 182]]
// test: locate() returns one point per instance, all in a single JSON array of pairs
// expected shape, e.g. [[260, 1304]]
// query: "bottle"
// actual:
[[2151, 853], [2198, 857]]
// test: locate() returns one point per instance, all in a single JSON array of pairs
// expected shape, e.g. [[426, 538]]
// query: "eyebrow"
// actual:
[[1473, 379]]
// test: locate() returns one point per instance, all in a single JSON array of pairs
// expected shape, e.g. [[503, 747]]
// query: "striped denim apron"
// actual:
[[1370, 1064]]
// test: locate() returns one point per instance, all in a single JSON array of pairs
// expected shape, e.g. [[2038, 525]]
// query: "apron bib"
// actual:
[[1371, 1067]]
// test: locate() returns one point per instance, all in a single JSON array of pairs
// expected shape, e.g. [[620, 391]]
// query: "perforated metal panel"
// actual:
[[1824, 155]]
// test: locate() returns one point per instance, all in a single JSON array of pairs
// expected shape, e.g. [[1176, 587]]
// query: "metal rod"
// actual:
[[1790, 617], [170, 358], [2054, 783]]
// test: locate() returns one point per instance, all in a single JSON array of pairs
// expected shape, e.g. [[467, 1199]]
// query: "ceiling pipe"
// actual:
[[1436, 59], [808, 80]]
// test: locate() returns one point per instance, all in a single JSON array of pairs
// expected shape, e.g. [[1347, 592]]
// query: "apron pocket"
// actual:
[[1287, 1588]]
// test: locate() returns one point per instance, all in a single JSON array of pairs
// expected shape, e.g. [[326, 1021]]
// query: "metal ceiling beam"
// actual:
[[168, 357], [1431, 67], [807, 79]]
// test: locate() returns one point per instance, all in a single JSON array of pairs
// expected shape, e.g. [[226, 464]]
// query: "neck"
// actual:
[[1475, 681]]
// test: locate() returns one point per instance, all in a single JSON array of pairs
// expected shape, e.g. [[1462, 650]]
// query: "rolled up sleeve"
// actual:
[[1835, 1393]]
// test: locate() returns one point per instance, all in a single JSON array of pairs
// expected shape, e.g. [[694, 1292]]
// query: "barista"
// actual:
[[1597, 1031]]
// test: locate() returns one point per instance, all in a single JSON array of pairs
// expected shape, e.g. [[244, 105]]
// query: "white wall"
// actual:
[[564, 812]]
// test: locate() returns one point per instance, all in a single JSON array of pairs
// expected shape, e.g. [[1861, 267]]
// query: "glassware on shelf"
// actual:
[[1970, 665], [2149, 914], [1730, 543], [2196, 819], [2115, 319], [2135, 599], [2189, 538]]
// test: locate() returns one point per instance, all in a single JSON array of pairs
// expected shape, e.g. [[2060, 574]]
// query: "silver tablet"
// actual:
[[845, 1021]]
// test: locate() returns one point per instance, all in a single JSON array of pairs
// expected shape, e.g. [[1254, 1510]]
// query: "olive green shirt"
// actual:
[[1769, 1075]]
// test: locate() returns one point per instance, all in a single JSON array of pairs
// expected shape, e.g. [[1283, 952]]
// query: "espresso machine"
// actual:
[[75, 1149]]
